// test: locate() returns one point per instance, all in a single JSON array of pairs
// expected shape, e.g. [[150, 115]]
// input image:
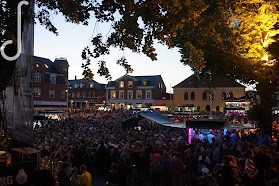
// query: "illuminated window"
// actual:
[[46, 66], [139, 105], [121, 84], [130, 94], [130, 84], [37, 92], [91, 85], [139, 94], [144, 83], [37, 77], [113, 94], [37, 65]]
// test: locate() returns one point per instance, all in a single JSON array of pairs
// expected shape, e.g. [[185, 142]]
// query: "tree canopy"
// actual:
[[229, 38]]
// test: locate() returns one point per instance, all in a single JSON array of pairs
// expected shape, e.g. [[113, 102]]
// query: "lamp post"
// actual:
[[210, 93]]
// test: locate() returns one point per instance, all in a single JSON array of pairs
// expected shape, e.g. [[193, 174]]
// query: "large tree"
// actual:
[[229, 38]]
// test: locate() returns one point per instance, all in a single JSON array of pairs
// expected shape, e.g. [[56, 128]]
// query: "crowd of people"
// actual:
[[94, 143]]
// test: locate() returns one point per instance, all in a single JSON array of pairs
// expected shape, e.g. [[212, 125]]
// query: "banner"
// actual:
[[19, 94]]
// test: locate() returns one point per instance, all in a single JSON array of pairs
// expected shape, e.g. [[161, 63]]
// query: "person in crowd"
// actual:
[[113, 177], [97, 139], [155, 170], [74, 179], [85, 178], [63, 178], [177, 169]]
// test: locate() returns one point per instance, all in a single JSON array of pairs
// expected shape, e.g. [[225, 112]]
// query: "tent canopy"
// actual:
[[153, 116]]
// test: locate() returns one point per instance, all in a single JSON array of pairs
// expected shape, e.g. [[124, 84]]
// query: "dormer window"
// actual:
[[121, 84], [52, 79], [144, 83], [130, 84], [46, 66], [91, 85]]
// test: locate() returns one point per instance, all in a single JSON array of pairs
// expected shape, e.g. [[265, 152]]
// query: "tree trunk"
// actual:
[[266, 90]]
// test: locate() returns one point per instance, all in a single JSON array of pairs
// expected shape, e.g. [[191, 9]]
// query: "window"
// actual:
[[78, 94], [83, 94], [91, 85], [144, 83], [207, 108], [186, 96], [113, 94], [121, 84], [148, 94], [130, 94], [91, 95], [224, 96], [192, 95], [46, 66], [51, 93], [139, 94], [121, 94], [80, 85], [130, 84], [138, 105], [160, 85], [37, 92], [204, 96], [217, 108], [65, 69], [52, 79], [73, 95], [230, 95], [76, 85], [63, 94], [211, 96], [37, 77]]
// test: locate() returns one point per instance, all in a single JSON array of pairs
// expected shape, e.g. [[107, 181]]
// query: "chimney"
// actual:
[[75, 77]]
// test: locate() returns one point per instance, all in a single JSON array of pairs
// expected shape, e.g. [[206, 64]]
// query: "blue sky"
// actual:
[[73, 38]]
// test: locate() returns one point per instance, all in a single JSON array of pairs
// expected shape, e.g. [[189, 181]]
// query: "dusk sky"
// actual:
[[73, 38]]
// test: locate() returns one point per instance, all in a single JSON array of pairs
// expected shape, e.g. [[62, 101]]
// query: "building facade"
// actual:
[[135, 91], [86, 95], [193, 94], [50, 84]]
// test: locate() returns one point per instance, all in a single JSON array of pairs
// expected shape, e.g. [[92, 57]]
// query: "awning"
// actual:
[[186, 105]]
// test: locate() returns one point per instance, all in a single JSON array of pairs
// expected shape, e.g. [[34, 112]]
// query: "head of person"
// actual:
[[114, 166], [66, 166], [83, 169], [74, 172], [249, 154]]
